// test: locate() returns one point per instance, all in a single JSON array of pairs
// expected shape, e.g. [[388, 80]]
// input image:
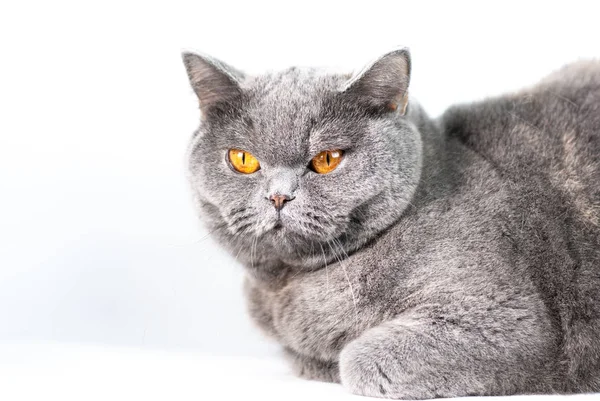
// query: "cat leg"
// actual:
[[432, 353], [313, 369]]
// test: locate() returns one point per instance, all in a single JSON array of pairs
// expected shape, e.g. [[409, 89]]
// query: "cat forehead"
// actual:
[[295, 84], [284, 106]]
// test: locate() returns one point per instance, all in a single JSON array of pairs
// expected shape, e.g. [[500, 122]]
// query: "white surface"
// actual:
[[74, 373], [98, 240]]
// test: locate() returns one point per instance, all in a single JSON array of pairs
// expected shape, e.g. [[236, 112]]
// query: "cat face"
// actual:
[[297, 167]]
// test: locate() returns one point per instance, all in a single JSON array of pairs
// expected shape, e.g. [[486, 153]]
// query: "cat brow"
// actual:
[[319, 140]]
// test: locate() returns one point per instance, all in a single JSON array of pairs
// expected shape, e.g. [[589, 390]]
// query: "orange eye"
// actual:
[[243, 161], [326, 161]]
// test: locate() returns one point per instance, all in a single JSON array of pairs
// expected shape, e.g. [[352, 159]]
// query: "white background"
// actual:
[[99, 243]]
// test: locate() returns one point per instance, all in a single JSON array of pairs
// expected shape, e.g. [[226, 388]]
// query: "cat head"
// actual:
[[293, 169]]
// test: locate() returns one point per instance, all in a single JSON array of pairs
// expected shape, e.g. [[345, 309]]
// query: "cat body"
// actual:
[[449, 257]]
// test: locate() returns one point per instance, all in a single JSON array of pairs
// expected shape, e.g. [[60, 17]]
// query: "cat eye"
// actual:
[[326, 161], [242, 161]]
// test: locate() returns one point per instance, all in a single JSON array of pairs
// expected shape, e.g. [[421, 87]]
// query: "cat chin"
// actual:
[[280, 245], [288, 227], [292, 234], [280, 233]]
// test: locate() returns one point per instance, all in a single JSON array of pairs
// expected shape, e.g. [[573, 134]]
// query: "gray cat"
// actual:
[[402, 256]]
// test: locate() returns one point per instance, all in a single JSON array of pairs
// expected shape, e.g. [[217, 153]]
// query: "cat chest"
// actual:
[[315, 316]]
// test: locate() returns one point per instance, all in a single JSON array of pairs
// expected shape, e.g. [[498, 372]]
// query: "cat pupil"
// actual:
[[327, 158], [243, 157]]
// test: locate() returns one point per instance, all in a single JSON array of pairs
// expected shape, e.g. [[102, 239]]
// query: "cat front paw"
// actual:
[[364, 373], [313, 369], [369, 367]]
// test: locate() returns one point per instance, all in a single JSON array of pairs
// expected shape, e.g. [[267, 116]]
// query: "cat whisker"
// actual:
[[196, 242], [238, 253], [252, 250], [349, 283], [301, 269], [243, 229], [239, 219], [326, 270], [340, 246]]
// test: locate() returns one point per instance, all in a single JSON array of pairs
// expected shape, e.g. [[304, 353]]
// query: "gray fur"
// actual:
[[441, 258]]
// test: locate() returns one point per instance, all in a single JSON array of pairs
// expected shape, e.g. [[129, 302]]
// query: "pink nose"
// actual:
[[279, 200]]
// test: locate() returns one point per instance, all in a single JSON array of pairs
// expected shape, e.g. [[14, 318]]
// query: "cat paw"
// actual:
[[313, 369], [363, 371]]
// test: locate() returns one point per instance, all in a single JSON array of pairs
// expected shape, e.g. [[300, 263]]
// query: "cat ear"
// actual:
[[213, 81], [383, 83]]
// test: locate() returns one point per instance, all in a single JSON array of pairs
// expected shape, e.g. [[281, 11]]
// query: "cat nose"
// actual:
[[279, 200]]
